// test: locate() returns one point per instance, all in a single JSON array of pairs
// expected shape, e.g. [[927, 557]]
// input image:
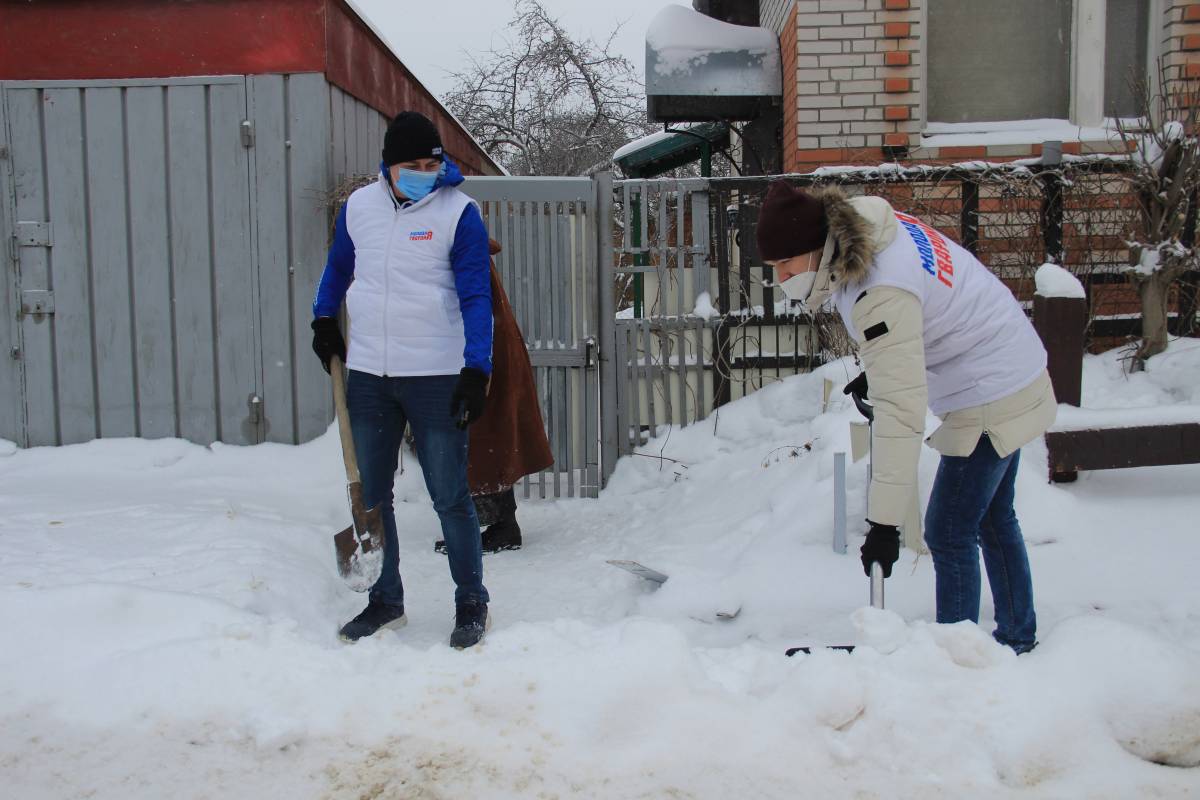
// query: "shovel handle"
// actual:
[[337, 373], [876, 585]]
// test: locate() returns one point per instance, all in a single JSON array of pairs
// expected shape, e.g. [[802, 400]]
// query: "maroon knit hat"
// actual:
[[791, 222]]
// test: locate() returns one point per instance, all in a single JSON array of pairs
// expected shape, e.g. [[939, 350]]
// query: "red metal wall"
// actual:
[[81, 39], [363, 66], [104, 39]]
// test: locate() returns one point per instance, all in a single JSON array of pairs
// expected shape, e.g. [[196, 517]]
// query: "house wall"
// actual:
[[859, 86], [773, 14]]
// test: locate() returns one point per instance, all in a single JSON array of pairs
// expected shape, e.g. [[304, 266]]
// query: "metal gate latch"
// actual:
[[37, 301]]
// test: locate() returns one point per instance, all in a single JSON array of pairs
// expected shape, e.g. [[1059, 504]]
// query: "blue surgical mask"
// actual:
[[414, 184]]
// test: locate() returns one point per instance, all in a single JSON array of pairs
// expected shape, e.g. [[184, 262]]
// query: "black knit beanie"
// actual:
[[791, 222], [411, 136]]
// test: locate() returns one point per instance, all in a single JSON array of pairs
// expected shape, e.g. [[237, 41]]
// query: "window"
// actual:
[[991, 61], [1126, 34]]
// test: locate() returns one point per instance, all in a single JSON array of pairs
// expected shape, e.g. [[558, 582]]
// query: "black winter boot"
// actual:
[[497, 514], [373, 618], [504, 535], [471, 621]]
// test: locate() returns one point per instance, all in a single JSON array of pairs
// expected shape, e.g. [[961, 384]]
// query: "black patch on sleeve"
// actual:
[[875, 331], [860, 297]]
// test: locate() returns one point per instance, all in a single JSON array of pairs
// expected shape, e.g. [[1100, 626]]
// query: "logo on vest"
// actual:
[[935, 256], [420, 236]]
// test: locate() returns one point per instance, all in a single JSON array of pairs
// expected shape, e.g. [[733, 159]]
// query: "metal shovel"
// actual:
[[360, 546], [868, 411]]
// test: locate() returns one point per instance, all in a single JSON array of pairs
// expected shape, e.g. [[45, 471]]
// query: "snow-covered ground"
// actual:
[[168, 616]]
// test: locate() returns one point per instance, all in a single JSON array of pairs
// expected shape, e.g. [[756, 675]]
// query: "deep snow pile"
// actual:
[[169, 615]]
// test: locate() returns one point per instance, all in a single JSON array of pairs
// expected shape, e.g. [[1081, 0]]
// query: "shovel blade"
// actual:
[[358, 567], [360, 546], [848, 648]]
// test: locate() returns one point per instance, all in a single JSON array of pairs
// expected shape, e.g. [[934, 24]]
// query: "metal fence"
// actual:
[[548, 264], [699, 324], [167, 293]]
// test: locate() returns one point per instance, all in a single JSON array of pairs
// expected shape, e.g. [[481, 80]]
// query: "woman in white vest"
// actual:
[[410, 258], [934, 329]]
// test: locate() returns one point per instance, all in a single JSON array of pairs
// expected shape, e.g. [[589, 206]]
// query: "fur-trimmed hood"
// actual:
[[859, 228]]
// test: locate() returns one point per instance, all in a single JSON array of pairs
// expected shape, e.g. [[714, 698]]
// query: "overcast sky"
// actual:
[[444, 31]]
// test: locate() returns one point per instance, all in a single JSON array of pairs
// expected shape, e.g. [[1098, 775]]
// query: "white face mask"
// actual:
[[799, 287]]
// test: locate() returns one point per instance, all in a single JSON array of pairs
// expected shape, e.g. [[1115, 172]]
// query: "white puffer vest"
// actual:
[[979, 345], [403, 305]]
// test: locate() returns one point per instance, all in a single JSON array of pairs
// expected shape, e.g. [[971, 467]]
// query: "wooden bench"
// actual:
[[1120, 438]]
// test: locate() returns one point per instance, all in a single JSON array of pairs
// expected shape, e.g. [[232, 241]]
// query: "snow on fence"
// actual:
[[698, 323]]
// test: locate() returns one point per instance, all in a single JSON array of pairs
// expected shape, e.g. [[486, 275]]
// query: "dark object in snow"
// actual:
[[1120, 448], [498, 511], [876, 602], [471, 621], [360, 546], [372, 619]]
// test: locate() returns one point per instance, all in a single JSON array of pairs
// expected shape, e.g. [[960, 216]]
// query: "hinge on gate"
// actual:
[[3, 152], [247, 133], [590, 352]]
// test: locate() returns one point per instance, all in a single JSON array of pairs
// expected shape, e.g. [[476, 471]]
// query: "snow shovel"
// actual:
[[876, 602], [868, 411], [360, 546]]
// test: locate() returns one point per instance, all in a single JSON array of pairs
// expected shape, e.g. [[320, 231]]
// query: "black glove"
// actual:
[[328, 341], [469, 398], [882, 546], [857, 387]]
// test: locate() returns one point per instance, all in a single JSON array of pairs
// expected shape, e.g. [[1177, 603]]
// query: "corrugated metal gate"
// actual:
[[694, 332], [131, 245], [163, 239], [550, 269]]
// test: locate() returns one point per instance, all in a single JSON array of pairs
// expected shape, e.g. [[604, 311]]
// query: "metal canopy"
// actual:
[[699, 68], [662, 153]]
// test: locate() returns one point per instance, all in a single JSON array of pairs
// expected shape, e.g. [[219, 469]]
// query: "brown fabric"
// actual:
[[509, 441], [791, 223]]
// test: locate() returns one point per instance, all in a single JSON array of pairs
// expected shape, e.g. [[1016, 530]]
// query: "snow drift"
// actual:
[[169, 615]]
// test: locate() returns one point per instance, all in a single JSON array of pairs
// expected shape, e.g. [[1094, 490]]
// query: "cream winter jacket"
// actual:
[[983, 383]]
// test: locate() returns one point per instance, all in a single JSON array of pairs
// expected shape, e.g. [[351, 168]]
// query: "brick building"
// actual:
[[867, 81]]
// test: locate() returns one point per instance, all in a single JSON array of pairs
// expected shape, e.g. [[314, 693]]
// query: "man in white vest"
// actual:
[[934, 329], [410, 258]]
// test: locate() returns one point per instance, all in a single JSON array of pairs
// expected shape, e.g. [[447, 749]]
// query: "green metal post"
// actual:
[[639, 259]]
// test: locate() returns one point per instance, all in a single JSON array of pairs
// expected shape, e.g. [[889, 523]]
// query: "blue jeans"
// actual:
[[379, 409], [972, 507]]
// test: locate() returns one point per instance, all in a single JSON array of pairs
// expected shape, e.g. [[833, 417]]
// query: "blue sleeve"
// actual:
[[339, 271], [472, 265]]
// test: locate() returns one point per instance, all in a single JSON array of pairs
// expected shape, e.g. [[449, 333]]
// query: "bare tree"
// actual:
[[546, 103], [1165, 177]]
